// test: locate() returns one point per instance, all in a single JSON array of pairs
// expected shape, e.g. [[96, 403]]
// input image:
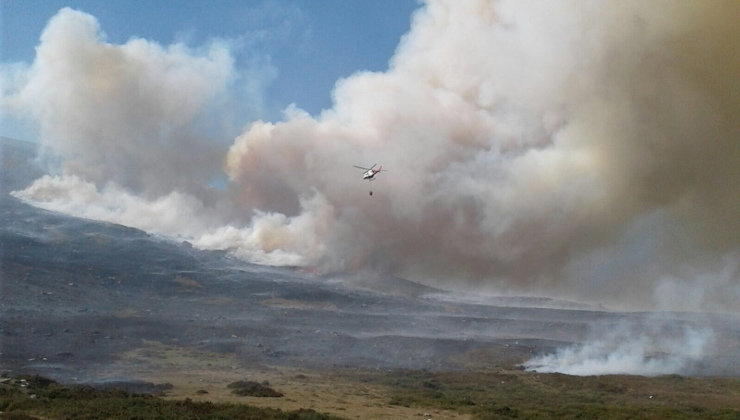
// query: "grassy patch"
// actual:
[[34, 397], [516, 394], [495, 394]]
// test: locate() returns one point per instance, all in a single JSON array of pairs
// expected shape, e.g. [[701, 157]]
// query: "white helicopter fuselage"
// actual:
[[369, 175], [370, 172]]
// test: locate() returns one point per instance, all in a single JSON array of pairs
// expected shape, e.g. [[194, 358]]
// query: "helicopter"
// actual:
[[370, 172]]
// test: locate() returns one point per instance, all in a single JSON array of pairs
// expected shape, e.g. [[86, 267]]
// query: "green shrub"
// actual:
[[253, 389]]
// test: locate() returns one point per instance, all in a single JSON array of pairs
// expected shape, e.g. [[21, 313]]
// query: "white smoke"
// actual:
[[270, 238], [630, 348], [586, 150], [127, 113], [275, 239], [163, 215]]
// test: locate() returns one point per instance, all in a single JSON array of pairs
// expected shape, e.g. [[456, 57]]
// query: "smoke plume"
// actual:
[[653, 348], [124, 113], [577, 149]]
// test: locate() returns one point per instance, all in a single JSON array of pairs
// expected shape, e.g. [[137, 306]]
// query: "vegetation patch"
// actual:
[[504, 394], [253, 389], [33, 397]]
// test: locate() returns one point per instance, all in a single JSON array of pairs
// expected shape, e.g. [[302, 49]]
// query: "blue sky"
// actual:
[[307, 45]]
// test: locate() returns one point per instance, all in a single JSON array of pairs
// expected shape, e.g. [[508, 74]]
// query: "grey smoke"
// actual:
[[639, 348], [586, 150]]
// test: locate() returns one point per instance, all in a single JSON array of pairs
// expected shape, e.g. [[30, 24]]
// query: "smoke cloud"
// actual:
[[586, 150], [631, 348], [124, 113]]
